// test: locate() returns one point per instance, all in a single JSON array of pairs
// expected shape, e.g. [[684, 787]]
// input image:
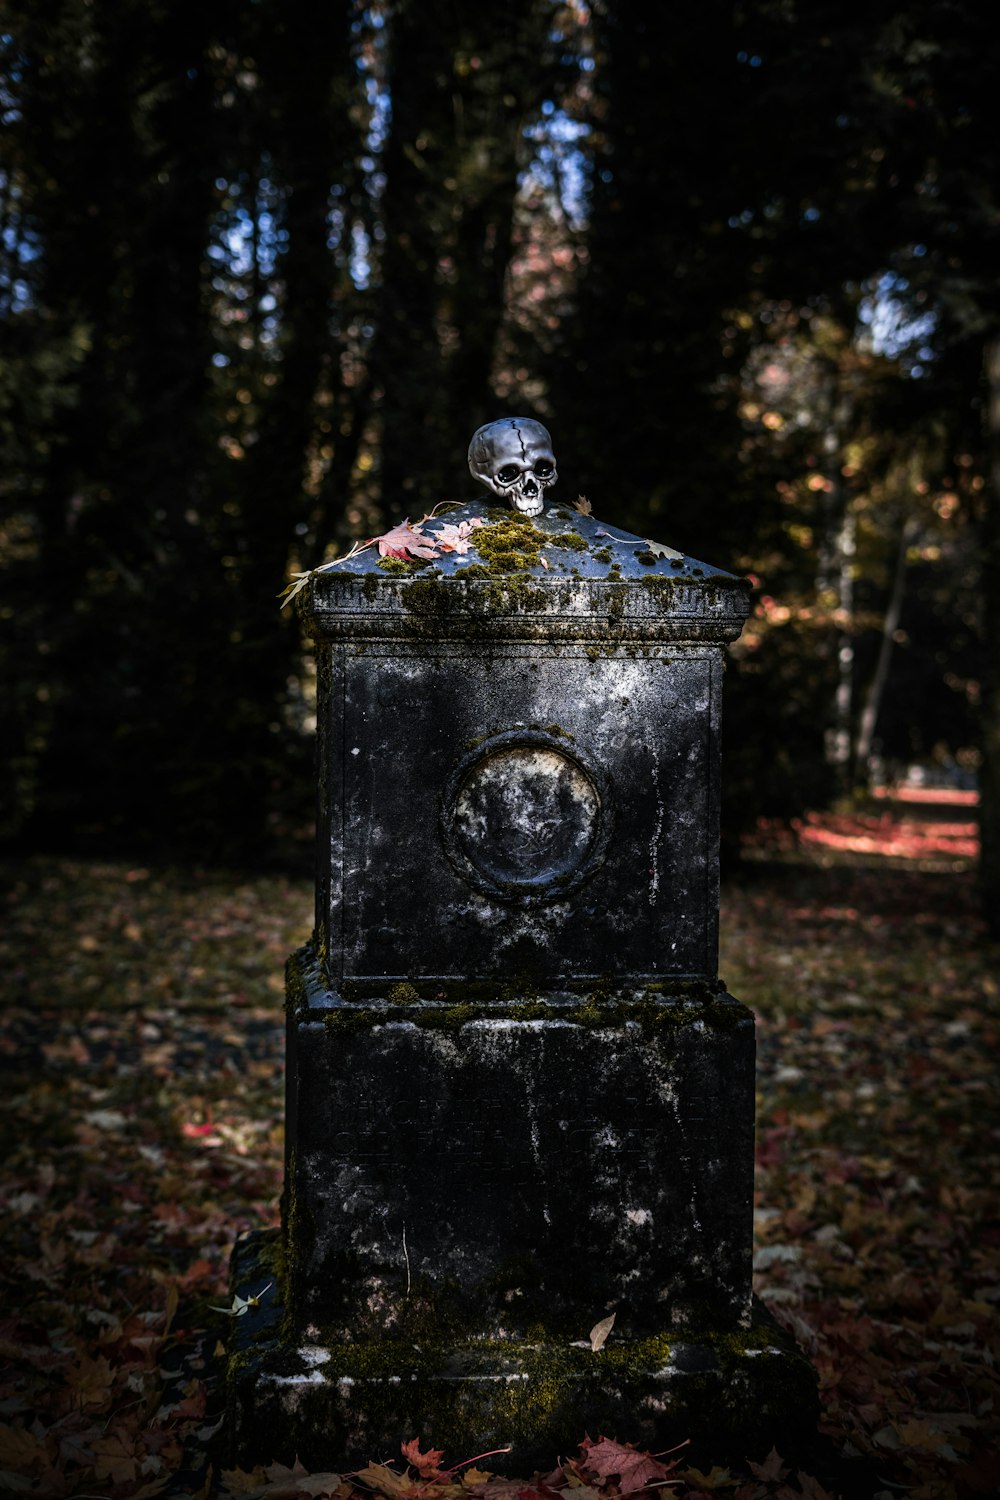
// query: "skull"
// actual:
[[514, 458]]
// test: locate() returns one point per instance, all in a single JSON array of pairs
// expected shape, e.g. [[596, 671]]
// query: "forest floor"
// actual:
[[141, 1113]]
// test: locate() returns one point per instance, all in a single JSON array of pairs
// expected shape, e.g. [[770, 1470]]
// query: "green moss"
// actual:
[[568, 540], [617, 596], [398, 566], [646, 557], [369, 587], [603, 554], [510, 544], [595, 1010], [426, 596], [402, 994]]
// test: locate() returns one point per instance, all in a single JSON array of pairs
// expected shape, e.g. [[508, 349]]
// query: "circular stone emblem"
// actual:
[[524, 817]]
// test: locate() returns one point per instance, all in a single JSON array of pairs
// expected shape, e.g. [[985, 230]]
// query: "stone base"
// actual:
[[733, 1393], [520, 1170]]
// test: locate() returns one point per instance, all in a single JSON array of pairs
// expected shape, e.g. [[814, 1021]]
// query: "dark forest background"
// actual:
[[264, 267]]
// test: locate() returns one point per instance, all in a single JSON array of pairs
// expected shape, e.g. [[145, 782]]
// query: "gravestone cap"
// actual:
[[487, 570]]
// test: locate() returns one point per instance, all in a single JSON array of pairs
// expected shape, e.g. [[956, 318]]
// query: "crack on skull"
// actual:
[[506, 457]]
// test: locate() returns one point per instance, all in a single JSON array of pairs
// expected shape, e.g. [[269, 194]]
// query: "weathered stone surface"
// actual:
[[519, 772], [734, 1393], [506, 1178]]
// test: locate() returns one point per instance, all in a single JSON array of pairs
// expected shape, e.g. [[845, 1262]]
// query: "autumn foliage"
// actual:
[[141, 1107]]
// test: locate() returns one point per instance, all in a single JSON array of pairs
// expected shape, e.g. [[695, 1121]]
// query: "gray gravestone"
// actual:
[[518, 1097]]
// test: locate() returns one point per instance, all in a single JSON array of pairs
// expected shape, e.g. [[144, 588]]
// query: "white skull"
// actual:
[[514, 458]]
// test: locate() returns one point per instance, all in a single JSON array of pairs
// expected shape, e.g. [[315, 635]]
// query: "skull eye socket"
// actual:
[[508, 473], [543, 469]]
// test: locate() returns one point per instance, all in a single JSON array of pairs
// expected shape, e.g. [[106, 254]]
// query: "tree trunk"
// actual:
[[876, 688]]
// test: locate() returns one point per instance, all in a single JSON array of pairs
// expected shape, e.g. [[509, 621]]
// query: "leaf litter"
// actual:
[[141, 1115]]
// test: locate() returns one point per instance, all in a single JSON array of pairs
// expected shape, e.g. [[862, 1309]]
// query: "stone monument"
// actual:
[[519, 1099]]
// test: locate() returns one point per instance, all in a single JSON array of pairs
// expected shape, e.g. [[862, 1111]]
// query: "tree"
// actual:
[[463, 87]]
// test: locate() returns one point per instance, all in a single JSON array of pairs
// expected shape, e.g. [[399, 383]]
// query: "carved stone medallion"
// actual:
[[525, 816]]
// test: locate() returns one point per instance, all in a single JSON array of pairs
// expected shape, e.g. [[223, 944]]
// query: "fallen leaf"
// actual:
[[319, 1484], [114, 1459], [771, 1470], [583, 505], [406, 540], [240, 1305], [635, 1469], [243, 1481], [424, 1463], [383, 1479], [659, 550], [457, 538], [716, 1479], [19, 1449], [599, 1333]]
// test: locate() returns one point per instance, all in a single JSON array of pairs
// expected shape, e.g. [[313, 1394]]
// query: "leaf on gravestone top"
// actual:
[[599, 1333], [424, 1463], [404, 540], [583, 505], [635, 1469], [452, 538], [659, 550]]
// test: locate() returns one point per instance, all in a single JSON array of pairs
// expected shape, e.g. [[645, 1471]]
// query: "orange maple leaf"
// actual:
[[425, 1463]]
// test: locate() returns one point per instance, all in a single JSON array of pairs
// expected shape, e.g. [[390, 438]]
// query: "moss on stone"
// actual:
[[616, 599], [398, 566], [593, 1011], [426, 596], [510, 544], [402, 994], [570, 541]]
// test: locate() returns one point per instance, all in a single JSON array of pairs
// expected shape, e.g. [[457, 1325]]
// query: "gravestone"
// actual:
[[519, 1099]]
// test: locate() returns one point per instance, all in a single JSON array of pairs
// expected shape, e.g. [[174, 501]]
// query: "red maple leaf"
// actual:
[[428, 1463], [634, 1468], [406, 539]]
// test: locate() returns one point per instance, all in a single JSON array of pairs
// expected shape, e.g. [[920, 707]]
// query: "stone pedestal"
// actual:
[[518, 1097]]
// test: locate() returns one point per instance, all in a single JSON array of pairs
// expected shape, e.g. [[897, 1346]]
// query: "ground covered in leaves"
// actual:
[[141, 1113]]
